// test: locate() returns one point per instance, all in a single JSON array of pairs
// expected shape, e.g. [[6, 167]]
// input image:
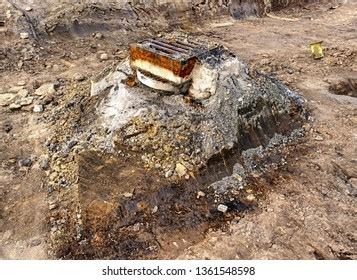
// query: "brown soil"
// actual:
[[308, 210]]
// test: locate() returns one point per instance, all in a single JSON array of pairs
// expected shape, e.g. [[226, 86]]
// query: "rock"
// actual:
[[25, 101], [128, 195], [78, 77], [7, 127], [98, 35], [25, 162], [23, 93], [180, 169], [6, 99], [14, 106], [104, 56], [319, 138], [44, 162], [222, 208], [28, 9], [155, 209], [21, 83], [200, 194], [169, 174], [15, 89], [35, 242], [72, 143], [53, 206], [46, 89], [38, 108], [250, 199], [24, 35]]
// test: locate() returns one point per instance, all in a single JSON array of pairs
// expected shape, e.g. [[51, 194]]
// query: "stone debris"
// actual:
[[6, 99], [46, 89], [222, 208], [181, 170], [104, 57], [200, 194], [24, 35], [38, 108], [128, 195], [79, 77], [25, 162]]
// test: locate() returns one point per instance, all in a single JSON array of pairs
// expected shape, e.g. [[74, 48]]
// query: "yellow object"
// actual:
[[317, 50]]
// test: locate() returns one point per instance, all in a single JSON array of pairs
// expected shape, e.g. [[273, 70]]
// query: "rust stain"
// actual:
[[179, 68]]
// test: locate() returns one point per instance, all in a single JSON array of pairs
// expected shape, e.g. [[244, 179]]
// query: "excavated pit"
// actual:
[[154, 168]]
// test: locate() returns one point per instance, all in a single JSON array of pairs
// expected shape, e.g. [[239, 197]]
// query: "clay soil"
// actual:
[[309, 206]]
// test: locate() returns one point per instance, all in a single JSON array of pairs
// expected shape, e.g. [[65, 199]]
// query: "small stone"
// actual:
[[26, 101], [7, 127], [319, 138], [222, 208], [6, 99], [25, 162], [128, 195], [155, 209], [78, 77], [98, 35], [38, 108], [15, 89], [45, 89], [44, 162], [169, 174], [23, 93], [72, 143], [181, 170], [35, 242], [28, 9], [250, 199], [24, 35], [104, 56], [200, 194], [53, 206], [14, 106], [21, 83]]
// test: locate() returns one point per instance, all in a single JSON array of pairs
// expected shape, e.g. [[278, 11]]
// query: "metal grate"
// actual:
[[175, 49]]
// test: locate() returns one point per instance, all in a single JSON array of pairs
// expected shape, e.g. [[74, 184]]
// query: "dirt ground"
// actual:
[[310, 208]]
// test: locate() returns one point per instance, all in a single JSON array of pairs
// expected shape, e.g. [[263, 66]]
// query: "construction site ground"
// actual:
[[309, 211]]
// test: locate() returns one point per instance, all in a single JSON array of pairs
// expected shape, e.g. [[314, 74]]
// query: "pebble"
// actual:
[[25, 101], [46, 89], [28, 9], [104, 56], [128, 195], [78, 77], [72, 143], [319, 138], [98, 35], [15, 89], [38, 108], [14, 106], [7, 127], [23, 93], [155, 209], [222, 208], [200, 194], [25, 162], [6, 99], [250, 199], [21, 83], [169, 173], [24, 35], [180, 169], [44, 162]]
